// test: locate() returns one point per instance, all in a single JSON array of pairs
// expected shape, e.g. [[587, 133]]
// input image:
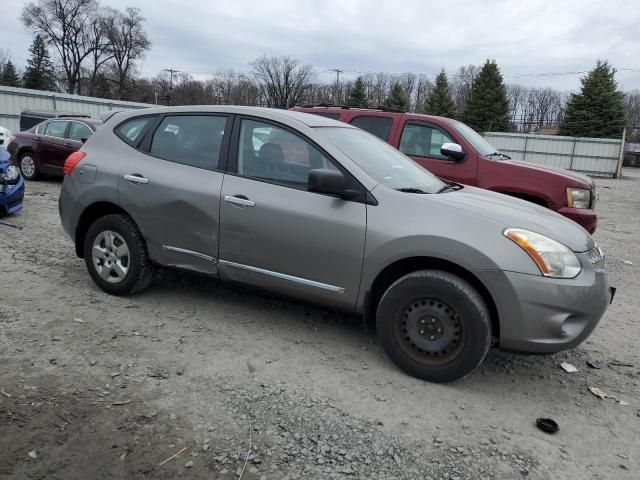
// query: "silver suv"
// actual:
[[315, 209]]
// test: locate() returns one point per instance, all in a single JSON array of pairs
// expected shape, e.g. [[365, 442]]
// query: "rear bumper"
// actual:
[[545, 315], [583, 216], [11, 197]]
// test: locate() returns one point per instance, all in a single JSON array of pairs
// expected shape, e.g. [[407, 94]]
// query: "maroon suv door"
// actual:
[[54, 147], [421, 140]]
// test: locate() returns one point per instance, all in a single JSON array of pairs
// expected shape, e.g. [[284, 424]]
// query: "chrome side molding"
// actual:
[[190, 252], [284, 276]]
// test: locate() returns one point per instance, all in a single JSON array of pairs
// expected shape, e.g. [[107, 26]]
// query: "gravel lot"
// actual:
[[93, 386]]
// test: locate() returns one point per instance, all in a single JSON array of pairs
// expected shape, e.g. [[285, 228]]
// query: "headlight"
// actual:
[[552, 258], [11, 175], [578, 197]]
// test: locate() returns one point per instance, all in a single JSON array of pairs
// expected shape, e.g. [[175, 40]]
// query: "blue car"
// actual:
[[11, 185]]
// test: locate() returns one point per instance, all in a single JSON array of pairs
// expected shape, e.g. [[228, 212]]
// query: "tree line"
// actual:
[[97, 51]]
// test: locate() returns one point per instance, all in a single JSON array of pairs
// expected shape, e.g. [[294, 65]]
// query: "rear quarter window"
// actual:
[[331, 115], [378, 126], [133, 130]]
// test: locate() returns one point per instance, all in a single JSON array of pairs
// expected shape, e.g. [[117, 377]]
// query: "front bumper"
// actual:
[[585, 217], [11, 197], [546, 315]]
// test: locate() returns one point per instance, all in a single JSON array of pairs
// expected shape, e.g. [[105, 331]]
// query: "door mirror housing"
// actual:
[[331, 182], [453, 151], [84, 139]]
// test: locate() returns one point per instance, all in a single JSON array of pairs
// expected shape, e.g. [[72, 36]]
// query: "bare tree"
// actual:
[[63, 23], [632, 109], [129, 43], [100, 46], [462, 84], [423, 88], [4, 57], [516, 96], [282, 80]]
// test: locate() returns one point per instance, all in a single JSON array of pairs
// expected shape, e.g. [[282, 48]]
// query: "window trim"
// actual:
[[420, 123], [81, 123], [387, 117], [232, 165], [66, 130]]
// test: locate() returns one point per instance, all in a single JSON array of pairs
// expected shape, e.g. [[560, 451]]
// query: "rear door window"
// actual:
[[194, 140], [56, 129], [78, 131], [378, 126]]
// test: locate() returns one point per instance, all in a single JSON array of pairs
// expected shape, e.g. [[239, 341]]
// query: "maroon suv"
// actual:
[[454, 151], [42, 149]]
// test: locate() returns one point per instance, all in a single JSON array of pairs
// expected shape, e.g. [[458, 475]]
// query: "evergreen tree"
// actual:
[[439, 101], [397, 99], [358, 95], [488, 107], [598, 110], [39, 74], [10, 76]]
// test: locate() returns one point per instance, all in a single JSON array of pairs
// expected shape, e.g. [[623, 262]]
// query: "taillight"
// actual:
[[72, 160]]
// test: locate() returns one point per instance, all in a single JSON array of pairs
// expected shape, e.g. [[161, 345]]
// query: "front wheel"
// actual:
[[434, 325], [116, 255]]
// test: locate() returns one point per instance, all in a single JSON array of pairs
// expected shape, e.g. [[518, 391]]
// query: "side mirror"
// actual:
[[84, 139], [453, 151], [331, 182]]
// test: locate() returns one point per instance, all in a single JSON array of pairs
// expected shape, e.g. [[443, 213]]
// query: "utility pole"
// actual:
[[338, 72], [171, 72]]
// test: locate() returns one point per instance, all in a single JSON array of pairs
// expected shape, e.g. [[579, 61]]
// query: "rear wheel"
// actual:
[[434, 325], [29, 166], [116, 255]]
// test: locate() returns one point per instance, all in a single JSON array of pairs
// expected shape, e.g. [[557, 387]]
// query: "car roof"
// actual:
[[53, 114], [265, 112]]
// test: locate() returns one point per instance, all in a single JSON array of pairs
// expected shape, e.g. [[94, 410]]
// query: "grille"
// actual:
[[596, 257]]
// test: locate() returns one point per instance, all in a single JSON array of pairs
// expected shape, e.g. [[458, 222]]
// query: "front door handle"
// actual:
[[136, 178], [240, 200]]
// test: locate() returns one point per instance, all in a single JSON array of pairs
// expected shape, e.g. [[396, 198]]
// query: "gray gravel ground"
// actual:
[[93, 386]]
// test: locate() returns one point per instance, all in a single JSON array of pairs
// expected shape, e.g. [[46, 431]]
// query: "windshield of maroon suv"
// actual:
[[480, 143], [382, 162]]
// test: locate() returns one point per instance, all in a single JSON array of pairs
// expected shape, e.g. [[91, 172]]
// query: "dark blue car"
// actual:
[[11, 185]]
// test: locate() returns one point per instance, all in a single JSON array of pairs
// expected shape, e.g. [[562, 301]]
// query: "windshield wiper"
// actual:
[[449, 186], [498, 154], [411, 190]]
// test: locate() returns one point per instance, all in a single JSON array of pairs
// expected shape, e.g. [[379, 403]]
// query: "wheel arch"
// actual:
[[91, 214], [402, 267], [538, 200]]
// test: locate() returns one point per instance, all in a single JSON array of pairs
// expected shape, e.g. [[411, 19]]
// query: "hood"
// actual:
[[574, 179], [515, 213]]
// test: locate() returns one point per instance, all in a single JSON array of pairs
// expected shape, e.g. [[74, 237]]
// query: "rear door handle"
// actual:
[[136, 178], [239, 200]]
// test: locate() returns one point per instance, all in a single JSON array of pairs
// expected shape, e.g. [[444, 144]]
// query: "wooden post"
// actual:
[[621, 157]]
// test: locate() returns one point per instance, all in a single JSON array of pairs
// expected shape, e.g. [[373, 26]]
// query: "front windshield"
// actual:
[[382, 162], [481, 145]]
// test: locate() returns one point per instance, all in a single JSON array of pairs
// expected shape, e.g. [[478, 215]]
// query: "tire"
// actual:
[[120, 264], [434, 325], [28, 164]]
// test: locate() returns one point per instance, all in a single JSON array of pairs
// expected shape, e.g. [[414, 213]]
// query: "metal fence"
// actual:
[[15, 100], [594, 156]]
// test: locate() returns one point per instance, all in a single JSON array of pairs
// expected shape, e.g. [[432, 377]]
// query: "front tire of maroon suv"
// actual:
[[28, 165], [434, 325], [116, 255]]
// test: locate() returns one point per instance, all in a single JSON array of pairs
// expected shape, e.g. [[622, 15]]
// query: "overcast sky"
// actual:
[[532, 37]]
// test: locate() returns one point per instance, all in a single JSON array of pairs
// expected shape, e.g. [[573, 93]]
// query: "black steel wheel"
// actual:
[[434, 325]]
